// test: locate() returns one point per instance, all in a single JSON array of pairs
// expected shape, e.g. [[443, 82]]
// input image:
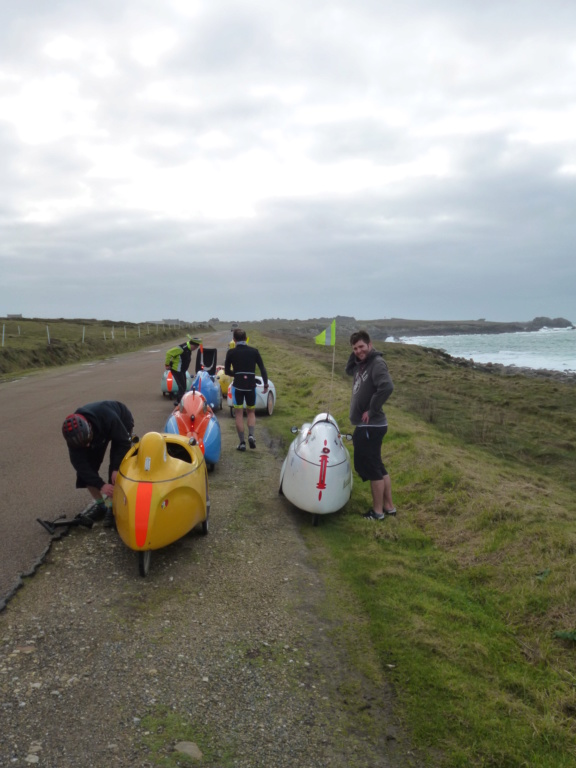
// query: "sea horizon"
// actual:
[[552, 349]]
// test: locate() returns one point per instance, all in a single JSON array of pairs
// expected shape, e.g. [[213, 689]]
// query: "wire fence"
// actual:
[[30, 344], [32, 333]]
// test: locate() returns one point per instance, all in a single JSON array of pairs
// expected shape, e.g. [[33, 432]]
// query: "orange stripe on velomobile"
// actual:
[[169, 381], [142, 512]]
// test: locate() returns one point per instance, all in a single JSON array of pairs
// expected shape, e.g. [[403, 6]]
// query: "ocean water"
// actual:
[[552, 349]]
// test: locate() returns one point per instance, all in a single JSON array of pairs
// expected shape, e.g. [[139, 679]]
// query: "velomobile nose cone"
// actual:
[[325, 417]]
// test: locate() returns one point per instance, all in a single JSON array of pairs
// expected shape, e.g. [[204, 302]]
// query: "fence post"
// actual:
[[48, 334], [3, 329], [83, 333]]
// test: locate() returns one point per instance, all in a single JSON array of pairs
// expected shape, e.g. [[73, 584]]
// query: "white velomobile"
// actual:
[[316, 475], [265, 400]]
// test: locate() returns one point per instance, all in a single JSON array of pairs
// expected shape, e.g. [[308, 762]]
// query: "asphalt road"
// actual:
[[37, 480]]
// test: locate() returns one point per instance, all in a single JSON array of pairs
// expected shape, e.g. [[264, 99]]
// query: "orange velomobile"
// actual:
[[195, 418], [160, 494]]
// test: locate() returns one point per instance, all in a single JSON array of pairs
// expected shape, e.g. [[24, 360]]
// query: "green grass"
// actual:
[[466, 602], [468, 597], [162, 727]]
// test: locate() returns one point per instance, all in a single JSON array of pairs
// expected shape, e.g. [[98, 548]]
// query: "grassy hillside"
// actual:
[[468, 596], [393, 327], [28, 344]]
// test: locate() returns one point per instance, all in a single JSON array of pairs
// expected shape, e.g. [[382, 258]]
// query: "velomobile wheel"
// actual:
[[144, 559], [270, 404], [315, 520], [231, 413]]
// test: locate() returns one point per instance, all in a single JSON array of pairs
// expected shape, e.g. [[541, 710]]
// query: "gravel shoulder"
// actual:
[[227, 644]]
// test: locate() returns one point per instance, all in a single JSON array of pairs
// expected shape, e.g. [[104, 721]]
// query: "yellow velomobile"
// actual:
[[223, 380], [160, 494]]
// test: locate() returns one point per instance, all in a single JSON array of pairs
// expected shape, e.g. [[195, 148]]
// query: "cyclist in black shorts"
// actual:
[[241, 362]]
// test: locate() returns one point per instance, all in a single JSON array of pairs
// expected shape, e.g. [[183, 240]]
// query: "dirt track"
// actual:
[[224, 644]]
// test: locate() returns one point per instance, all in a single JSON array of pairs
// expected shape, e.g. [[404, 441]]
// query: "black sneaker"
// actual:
[[252, 441], [242, 446], [390, 512], [109, 519], [96, 512], [371, 515]]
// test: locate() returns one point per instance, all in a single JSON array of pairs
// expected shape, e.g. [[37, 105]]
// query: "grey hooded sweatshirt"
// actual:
[[372, 387]]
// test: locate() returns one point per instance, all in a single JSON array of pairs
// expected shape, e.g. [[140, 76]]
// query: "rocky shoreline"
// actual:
[[463, 327], [566, 377]]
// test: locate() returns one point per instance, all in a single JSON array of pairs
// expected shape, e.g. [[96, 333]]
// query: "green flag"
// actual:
[[328, 337]]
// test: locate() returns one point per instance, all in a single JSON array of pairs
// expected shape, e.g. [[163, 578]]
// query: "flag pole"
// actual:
[[328, 337], [332, 377]]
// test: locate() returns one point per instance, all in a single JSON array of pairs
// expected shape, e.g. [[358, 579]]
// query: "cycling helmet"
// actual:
[[77, 430]]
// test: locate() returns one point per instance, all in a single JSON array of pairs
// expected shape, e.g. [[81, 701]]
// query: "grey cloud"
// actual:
[[380, 83]]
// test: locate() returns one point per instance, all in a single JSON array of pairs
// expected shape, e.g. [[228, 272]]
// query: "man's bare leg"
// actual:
[[251, 419], [377, 488], [239, 418], [387, 497]]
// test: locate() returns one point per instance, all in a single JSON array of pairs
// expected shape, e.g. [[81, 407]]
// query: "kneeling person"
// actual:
[[88, 432]]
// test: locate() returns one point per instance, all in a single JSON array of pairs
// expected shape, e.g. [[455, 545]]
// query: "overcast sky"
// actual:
[[248, 159]]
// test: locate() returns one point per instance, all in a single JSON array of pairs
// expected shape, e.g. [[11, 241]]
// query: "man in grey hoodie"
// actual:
[[372, 387]]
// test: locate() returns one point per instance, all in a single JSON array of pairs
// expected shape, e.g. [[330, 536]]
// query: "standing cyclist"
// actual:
[[178, 361], [241, 362], [372, 387]]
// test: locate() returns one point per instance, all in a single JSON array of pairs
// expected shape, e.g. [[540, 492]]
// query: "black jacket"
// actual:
[[111, 423], [241, 363]]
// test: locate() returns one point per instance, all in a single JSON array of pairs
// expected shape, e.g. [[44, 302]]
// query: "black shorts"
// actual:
[[367, 442], [244, 398]]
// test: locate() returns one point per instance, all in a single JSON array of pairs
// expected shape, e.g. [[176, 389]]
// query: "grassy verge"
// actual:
[[467, 591], [32, 344]]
